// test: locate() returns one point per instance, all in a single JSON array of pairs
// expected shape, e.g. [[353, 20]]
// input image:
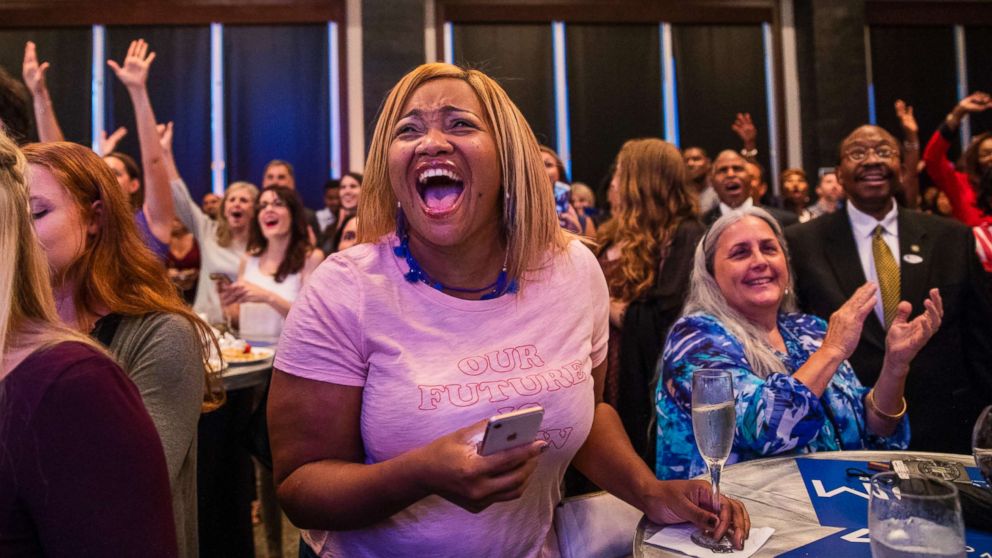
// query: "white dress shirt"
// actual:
[[863, 227], [725, 209]]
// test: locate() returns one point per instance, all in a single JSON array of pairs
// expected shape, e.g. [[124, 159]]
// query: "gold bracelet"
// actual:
[[870, 399]]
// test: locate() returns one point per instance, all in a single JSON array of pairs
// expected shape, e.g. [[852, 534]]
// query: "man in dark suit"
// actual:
[[950, 380], [732, 181]]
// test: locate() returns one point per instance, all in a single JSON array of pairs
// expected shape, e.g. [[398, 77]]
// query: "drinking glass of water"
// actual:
[[914, 518], [713, 425], [981, 444]]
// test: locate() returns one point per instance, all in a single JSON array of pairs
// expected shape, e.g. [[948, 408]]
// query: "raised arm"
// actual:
[[158, 197], [910, 153], [44, 112], [745, 129]]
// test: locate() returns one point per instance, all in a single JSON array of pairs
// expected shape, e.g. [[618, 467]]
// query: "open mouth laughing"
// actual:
[[440, 186]]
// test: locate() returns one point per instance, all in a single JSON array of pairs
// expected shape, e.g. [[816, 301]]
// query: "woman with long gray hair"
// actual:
[[794, 389]]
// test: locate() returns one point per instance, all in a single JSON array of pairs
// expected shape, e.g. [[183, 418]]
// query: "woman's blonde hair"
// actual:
[[528, 218], [654, 200], [224, 234], [116, 270], [27, 306]]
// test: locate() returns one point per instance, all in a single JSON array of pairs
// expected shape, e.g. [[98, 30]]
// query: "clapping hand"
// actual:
[[845, 325], [679, 501], [906, 119], [109, 143], [453, 469], [134, 73], [745, 129], [905, 338], [33, 73]]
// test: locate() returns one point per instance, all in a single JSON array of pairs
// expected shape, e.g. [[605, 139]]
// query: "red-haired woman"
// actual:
[[109, 284]]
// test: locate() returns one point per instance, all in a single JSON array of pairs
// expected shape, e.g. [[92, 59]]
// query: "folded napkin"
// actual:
[[677, 537]]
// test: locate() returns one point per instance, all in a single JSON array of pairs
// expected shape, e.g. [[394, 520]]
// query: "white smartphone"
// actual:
[[511, 430]]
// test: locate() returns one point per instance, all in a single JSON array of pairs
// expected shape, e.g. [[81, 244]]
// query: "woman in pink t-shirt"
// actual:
[[459, 305]]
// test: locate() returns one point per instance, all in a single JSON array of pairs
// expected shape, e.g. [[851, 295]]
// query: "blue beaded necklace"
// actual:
[[496, 289]]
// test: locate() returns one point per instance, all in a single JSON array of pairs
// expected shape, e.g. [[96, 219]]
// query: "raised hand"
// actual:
[[454, 470], [906, 119], [34, 73], [165, 136], [134, 73], [905, 338], [976, 102], [679, 501], [745, 129], [109, 143], [845, 325]]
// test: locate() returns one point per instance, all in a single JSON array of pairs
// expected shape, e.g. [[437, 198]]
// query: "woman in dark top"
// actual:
[[82, 471], [646, 253]]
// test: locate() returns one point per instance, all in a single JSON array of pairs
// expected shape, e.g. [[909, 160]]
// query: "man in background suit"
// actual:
[[733, 184], [950, 380]]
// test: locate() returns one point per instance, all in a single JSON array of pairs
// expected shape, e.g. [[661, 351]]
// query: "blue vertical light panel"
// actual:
[[334, 96], [773, 147], [669, 92], [872, 114], [217, 149], [99, 68], [561, 96], [961, 60]]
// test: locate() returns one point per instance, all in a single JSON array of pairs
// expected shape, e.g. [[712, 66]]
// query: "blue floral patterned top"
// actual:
[[775, 415]]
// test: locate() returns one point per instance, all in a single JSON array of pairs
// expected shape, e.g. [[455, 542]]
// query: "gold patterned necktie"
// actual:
[[887, 270]]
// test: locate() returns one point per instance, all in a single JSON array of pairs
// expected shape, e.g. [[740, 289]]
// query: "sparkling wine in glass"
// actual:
[[713, 425], [981, 444], [915, 517]]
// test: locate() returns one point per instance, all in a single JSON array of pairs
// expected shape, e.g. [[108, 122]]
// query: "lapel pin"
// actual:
[[912, 259], [914, 247]]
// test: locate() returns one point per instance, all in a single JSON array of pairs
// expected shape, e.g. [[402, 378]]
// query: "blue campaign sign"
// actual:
[[840, 499]]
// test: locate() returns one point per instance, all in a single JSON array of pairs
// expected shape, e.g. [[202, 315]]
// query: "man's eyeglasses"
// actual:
[[858, 154]]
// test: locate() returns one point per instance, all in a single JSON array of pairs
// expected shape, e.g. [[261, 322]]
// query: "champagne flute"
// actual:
[[981, 444], [713, 424], [915, 517]]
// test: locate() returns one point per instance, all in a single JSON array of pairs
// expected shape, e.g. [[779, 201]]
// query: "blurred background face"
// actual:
[[274, 217], [697, 163], [350, 193], [758, 185], [238, 207], [581, 199], [985, 155], [332, 199], [796, 189], [550, 166], [829, 189], [59, 222], [731, 180], [278, 175], [128, 184], [349, 235], [211, 204]]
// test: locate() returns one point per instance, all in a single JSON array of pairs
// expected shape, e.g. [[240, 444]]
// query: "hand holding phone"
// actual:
[[221, 279], [511, 430]]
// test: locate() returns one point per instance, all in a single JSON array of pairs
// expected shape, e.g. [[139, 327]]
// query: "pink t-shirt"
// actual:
[[431, 364]]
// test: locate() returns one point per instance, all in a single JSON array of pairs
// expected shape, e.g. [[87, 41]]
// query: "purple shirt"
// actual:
[[82, 471], [159, 248]]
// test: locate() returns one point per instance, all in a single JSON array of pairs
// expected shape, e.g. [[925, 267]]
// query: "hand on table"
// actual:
[[454, 470], [678, 501]]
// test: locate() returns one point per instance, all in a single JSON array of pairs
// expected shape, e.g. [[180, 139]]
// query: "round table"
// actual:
[[775, 496], [240, 376]]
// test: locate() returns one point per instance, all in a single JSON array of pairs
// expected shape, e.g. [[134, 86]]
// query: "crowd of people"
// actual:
[[463, 276]]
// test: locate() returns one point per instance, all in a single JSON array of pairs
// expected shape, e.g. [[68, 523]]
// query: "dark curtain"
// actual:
[[519, 57], [978, 42], [917, 65], [276, 105], [179, 87], [720, 71], [69, 51], [614, 94]]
